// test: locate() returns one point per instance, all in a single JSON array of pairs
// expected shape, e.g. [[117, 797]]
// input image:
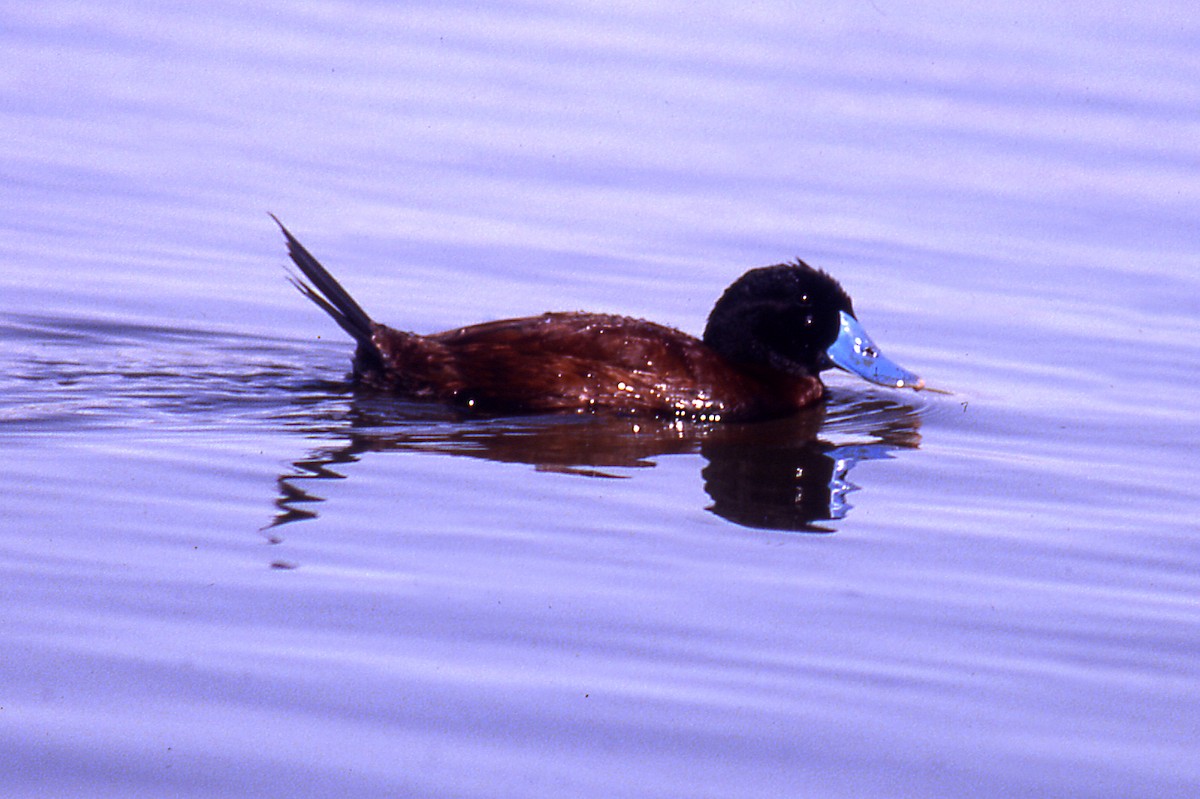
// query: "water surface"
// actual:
[[225, 571]]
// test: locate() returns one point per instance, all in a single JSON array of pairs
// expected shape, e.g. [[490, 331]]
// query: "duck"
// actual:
[[767, 340]]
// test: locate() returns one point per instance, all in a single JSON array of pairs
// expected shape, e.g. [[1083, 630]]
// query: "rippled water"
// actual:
[[225, 571]]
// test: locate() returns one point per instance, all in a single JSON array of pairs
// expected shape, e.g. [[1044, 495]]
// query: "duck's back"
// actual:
[[574, 361]]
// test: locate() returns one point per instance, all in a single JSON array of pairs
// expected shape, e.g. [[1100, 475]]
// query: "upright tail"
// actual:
[[329, 295]]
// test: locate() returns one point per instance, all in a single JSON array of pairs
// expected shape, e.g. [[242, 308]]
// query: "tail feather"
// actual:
[[323, 304], [326, 292]]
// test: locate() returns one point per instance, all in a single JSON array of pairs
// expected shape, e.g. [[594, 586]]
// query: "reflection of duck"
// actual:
[[770, 478], [774, 475], [768, 338]]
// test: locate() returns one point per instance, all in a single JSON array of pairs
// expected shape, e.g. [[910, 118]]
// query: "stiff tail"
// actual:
[[327, 293]]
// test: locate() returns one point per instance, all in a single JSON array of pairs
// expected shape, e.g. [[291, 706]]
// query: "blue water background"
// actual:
[[223, 572]]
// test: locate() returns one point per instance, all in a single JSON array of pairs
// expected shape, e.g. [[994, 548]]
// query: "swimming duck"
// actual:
[[768, 338]]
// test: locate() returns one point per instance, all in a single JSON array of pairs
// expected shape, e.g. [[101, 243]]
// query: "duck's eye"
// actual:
[[809, 321]]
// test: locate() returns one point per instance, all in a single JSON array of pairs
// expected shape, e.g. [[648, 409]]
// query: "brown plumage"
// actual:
[[578, 362], [762, 351]]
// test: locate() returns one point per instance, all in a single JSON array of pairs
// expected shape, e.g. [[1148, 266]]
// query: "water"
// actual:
[[226, 572]]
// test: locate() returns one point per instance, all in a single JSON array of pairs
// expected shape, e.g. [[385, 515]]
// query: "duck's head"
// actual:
[[797, 320]]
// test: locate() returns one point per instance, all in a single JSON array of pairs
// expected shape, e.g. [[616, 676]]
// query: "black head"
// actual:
[[781, 318]]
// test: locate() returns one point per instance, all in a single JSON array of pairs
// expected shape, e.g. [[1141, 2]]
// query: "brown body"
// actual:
[[577, 362], [763, 349]]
